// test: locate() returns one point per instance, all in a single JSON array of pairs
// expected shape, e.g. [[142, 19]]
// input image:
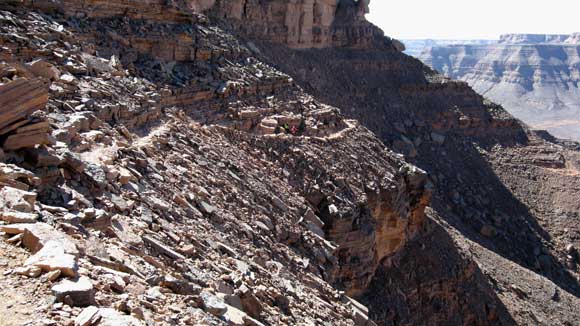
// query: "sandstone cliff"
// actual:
[[204, 168], [301, 24], [416, 46]]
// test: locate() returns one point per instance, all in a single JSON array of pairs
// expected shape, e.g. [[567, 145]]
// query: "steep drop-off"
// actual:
[[497, 183]]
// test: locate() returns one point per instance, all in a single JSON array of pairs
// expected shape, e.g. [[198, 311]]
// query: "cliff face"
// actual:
[[301, 24], [534, 76], [417, 46], [486, 199], [298, 24], [173, 167], [537, 38]]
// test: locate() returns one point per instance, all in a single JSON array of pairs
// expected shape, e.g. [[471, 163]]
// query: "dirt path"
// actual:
[[21, 299]]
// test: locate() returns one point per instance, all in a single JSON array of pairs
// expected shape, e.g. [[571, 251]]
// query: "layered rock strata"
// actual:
[[534, 76], [469, 145]]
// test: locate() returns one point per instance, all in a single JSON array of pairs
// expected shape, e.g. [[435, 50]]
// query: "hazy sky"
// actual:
[[465, 19]]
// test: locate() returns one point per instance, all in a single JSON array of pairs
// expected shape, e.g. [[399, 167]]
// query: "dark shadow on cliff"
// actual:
[[473, 199], [434, 283]]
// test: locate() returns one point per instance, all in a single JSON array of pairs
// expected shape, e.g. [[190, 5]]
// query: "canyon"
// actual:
[[200, 162], [535, 77]]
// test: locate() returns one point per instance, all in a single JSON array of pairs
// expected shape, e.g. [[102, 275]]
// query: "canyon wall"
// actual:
[[298, 24], [485, 198], [181, 175], [535, 77], [302, 23]]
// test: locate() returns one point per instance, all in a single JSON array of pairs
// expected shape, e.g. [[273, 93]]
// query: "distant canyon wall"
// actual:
[[535, 77]]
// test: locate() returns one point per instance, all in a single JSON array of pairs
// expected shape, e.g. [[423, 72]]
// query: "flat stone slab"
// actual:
[[88, 317], [112, 317], [18, 217], [53, 257], [36, 235]]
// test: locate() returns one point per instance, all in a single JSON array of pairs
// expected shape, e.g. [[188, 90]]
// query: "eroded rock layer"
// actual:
[[470, 147]]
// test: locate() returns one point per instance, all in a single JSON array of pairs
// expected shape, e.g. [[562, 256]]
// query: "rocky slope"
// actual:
[[535, 77], [186, 163], [164, 188]]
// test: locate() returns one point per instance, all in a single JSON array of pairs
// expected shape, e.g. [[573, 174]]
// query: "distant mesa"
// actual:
[[540, 38], [534, 76]]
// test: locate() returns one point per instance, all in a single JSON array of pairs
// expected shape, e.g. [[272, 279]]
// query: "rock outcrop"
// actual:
[[298, 24], [534, 76], [303, 24]]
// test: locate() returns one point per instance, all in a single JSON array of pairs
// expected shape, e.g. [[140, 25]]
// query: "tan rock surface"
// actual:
[[52, 257]]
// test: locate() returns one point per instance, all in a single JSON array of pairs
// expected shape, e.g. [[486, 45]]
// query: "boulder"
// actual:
[[79, 293], [36, 235], [213, 304], [97, 66], [42, 68], [18, 200]]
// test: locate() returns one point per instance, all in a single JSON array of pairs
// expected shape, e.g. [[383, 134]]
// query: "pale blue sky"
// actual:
[[469, 19]]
